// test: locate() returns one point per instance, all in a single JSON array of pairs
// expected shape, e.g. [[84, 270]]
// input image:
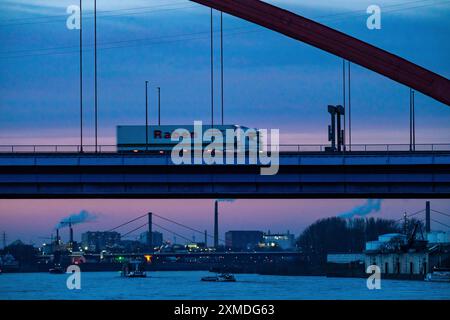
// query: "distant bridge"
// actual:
[[309, 174]]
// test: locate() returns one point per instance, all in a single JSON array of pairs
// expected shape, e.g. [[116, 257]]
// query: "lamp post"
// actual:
[[212, 70], [159, 106], [412, 121], [221, 62], [81, 79], [349, 109], [95, 75], [146, 115]]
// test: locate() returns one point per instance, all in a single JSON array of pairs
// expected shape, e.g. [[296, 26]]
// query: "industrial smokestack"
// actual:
[[427, 217], [81, 217], [57, 236], [150, 233], [216, 224], [206, 239], [71, 233]]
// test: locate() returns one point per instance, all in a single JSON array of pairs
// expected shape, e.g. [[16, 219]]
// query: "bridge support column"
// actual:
[[332, 127], [339, 132]]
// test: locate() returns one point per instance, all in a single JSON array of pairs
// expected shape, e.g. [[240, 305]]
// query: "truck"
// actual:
[[132, 138]]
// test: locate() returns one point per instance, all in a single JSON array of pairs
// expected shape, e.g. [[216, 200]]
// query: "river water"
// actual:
[[187, 285]]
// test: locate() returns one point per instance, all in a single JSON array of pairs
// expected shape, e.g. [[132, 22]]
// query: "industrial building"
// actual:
[[395, 254], [399, 256], [243, 240], [99, 240], [283, 241], [414, 255], [157, 238]]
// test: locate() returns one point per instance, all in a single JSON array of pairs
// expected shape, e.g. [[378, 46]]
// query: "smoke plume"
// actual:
[[76, 218], [371, 205]]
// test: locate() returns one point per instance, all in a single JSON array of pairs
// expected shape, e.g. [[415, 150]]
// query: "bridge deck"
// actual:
[[301, 175]]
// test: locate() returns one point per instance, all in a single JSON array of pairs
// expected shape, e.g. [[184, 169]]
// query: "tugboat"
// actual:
[[439, 275], [133, 269], [222, 277]]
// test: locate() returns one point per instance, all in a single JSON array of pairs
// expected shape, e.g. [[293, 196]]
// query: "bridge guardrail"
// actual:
[[282, 148]]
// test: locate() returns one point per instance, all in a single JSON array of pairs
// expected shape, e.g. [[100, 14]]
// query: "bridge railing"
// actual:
[[57, 148], [365, 147], [294, 148]]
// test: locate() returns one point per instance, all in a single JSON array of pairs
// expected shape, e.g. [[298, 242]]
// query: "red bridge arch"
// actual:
[[337, 43]]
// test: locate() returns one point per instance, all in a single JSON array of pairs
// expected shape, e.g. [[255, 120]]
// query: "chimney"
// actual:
[[57, 236], [150, 233], [71, 233], [427, 217], [216, 224]]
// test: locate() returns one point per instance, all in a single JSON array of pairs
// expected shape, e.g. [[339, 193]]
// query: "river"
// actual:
[[187, 285]]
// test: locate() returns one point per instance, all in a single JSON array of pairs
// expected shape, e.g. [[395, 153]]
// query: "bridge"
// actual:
[[380, 171]]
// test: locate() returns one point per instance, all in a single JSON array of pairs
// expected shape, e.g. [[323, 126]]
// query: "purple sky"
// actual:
[[31, 219], [270, 81]]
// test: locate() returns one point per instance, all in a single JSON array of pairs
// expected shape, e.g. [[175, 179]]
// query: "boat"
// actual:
[[438, 275], [133, 269], [8, 264], [57, 269], [223, 277]]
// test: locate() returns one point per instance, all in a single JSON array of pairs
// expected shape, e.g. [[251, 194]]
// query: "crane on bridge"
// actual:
[[337, 43]]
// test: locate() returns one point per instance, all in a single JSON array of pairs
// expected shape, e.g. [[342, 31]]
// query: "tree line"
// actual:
[[338, 235]]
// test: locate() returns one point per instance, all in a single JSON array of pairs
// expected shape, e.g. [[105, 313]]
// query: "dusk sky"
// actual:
[[271, 81], [31, 219]]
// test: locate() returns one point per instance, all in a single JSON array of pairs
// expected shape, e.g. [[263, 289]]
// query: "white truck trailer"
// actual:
[[158, 139]]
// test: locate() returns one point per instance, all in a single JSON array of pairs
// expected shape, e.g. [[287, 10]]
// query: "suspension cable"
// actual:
[[163, 218], [174, 233], [445, 214], [185, 226], [446, 225], [126, 234], [179, 224], [124, 224]]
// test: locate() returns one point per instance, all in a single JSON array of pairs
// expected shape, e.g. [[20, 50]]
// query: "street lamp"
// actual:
[[146, 115], [81, 79], [159, 106], [95, 75]]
